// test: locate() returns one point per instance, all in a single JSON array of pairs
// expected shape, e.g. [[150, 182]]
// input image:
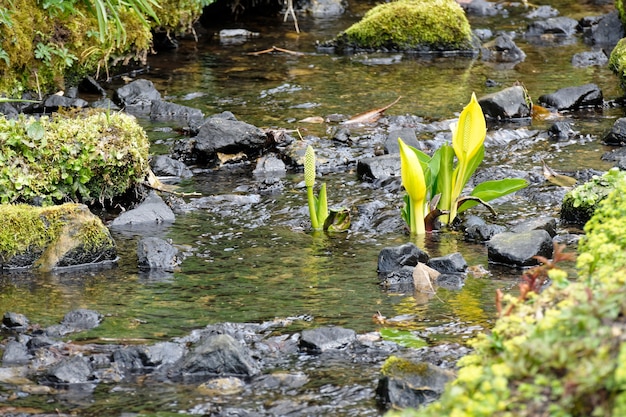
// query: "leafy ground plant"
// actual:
[[434, 184]]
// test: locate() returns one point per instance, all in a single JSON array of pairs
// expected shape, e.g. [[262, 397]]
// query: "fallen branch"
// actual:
[[293, 14], [276, 49]]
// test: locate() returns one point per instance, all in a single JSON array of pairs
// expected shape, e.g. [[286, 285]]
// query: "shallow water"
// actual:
[[258, 264]]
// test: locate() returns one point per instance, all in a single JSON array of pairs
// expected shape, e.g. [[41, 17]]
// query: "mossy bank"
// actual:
[[409, 25], [81, 157], [560, 353]]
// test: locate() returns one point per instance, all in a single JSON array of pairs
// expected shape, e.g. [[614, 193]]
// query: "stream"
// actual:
[[260, 262]]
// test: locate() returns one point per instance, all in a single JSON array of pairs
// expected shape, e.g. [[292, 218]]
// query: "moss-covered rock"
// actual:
[[81, 157], [411, 25], [617, 61], [47, 238], [621, 9], [580, 203], [562, 352]]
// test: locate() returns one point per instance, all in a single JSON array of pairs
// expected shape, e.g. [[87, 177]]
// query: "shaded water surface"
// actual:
[[260, 262]]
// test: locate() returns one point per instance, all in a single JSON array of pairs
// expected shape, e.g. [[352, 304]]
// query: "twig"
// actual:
[[293, 13], [276, 49]]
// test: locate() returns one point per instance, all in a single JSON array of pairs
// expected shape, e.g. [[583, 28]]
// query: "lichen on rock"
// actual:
[[46, 238], [410, 25]]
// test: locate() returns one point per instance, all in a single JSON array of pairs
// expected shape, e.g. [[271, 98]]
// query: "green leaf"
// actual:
[[402, 337], [35, 131], [490, 190]]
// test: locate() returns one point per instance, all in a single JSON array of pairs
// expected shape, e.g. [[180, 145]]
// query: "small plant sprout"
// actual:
[[434, 184], [318, 206]]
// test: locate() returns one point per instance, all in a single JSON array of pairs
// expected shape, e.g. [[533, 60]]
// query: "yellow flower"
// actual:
[[470, 131], [415, 186]]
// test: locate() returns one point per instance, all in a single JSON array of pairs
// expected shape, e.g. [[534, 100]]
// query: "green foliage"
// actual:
[[617, 60], [596, 189], [318, 206], [410, 24], [82, 158], [402, 337], [436, 182]]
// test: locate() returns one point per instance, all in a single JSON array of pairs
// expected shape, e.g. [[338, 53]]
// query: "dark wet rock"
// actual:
[[407, 383], [82, 319], [281, 380], [15, 353], [105, 104], [137, 96], [561, 131], [270, 165], [617, 156], [326, 338], [219, 354], [605, 30], [395, 257], [452, 263], [397, 281], [41, 341], [510, 103], [54, 102], [130, 358], [15, 321], [483, 8], [502, 49], [156, 253], [73, 370], [164, 353], [451, 282], [482, 232], [152, 211], [163, 165], [483, 34], [518, 249], [218, 202], [326, 8], [166, 111], [408, 136], [223, 135], [8, 110], [617, 135], [546, 223], [590, 58], [378, 167], [572, 98], [342, 135], [542, 12], [559, 26], [91, 86]]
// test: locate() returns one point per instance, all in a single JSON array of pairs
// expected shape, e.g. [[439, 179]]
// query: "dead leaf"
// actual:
[[370, 116], [423, 277], [312, 119]]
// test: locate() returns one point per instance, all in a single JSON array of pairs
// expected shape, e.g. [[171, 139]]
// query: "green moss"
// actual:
[[619, 5], [399, 366], [412, 24], [86, 157], [617, 61]]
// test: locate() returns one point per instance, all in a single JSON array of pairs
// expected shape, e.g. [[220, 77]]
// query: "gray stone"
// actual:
[[407, 135], [326, 8], [378, 167], [482, 232], [164, 353], [152, 211], [451, 263], [73, 370], [166, 111], [82, 319], [560, 26], [573, 98], [590, 58], [15, 321], [163, 165], [540, 223], [326, 338], [395, 257], [54, 102], [156, 253], [502, 49], [270, 165], [510, 103], [15, 353], [617, 134], [219, 354], [138, 93], [452, 282], [518, 249], [397, 281]]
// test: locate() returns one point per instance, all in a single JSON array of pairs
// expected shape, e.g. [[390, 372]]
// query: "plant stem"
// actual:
[[312, 209]]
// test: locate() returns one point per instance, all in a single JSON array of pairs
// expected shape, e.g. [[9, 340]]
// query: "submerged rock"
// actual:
[[325, 338], [155, 253], [150, 212], [573, 98], [502, 49], [395, 257], [218, 354]]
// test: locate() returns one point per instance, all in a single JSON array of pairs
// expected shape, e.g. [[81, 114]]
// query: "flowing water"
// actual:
[[255, 265]]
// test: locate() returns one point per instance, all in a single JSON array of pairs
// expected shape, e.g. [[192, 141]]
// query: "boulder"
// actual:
[[397, 281], [502, 49], [163, 165], [510, 103], [559, 26], [219, 354], [166, 111], [406, 383], [326, 338], [378, 167], [452, 263], [518, 249], [155, 253], [152, 211], [590, 58], [605, 30], [573, 98], [48, 238], [73, 370], [546, 223], [482, 232], [137, 96], [395, 257], [617, 134], [15, 321]]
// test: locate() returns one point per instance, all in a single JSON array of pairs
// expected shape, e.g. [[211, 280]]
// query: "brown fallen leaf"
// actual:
[[312, 119], [370, 116], [423, 277], [557, 179]]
